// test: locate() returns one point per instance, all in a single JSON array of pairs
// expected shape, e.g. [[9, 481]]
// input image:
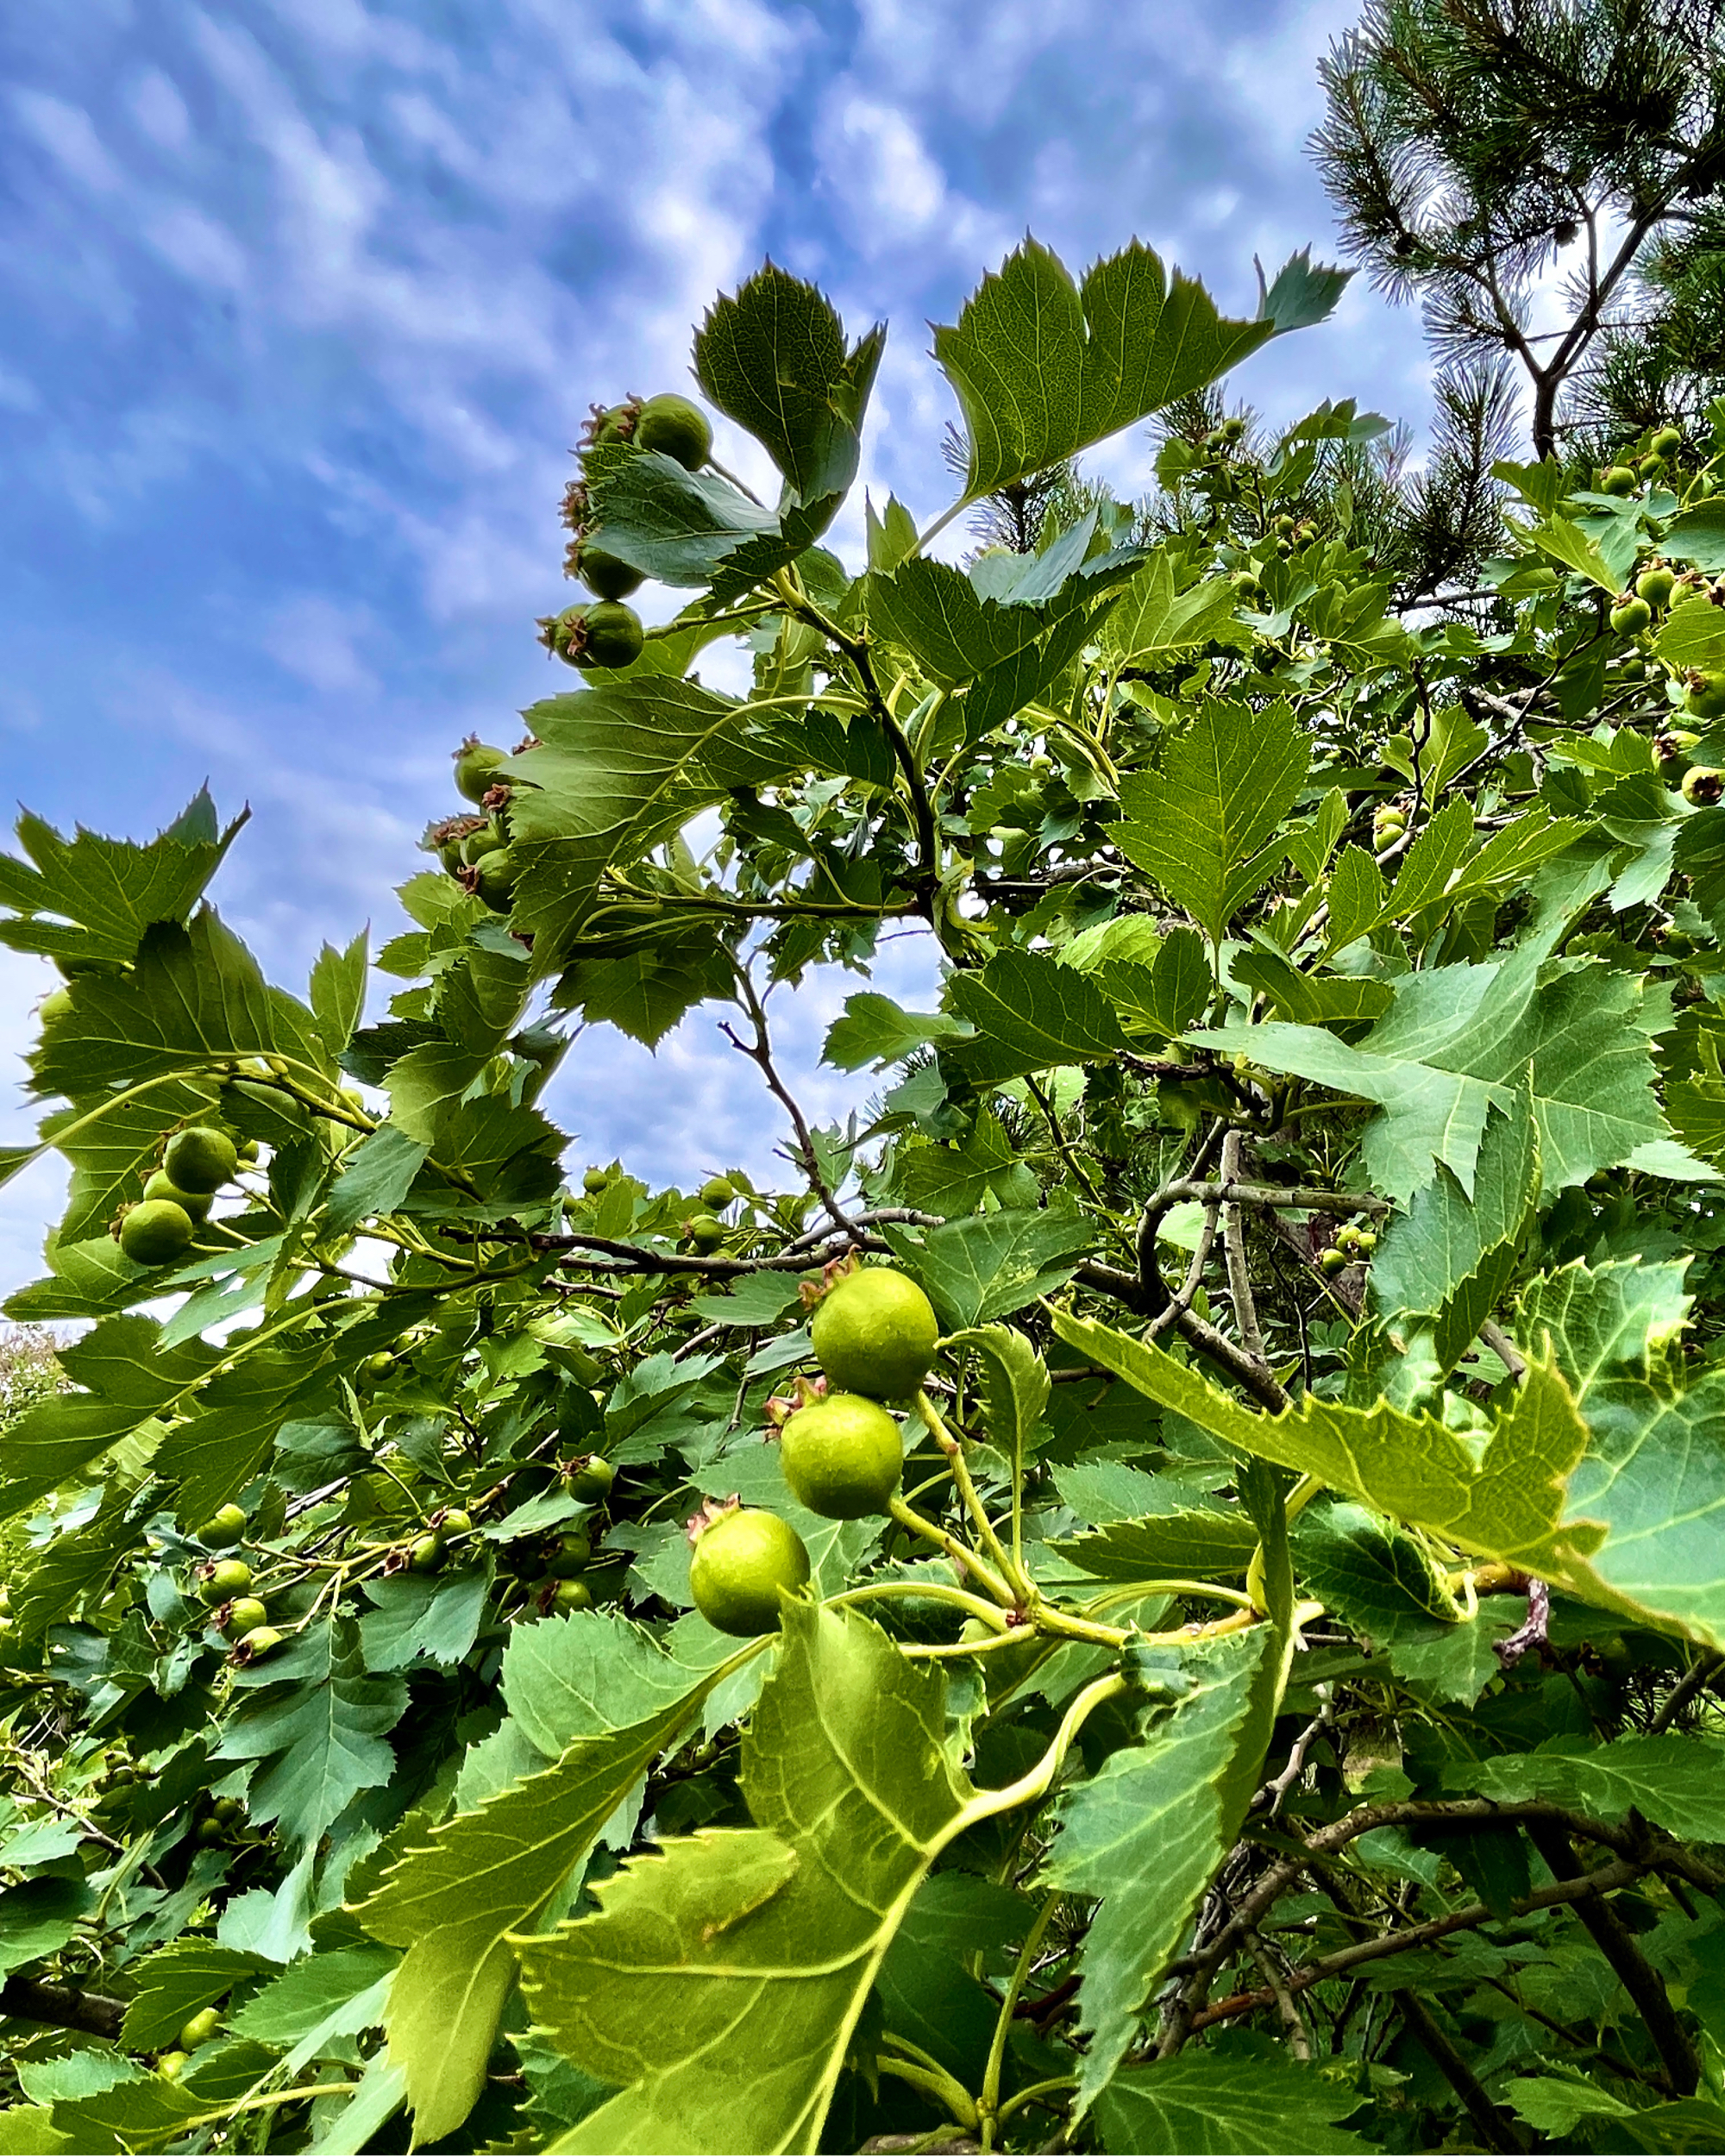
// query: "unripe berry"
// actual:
[[202, 1158], [157, 1232], [1616, 478], [1705, 697], [677, 428], [1631, 616], [1666, 443], [605, 576], [476, 767], [1703, 787], [224, 1580], [1655, 585]]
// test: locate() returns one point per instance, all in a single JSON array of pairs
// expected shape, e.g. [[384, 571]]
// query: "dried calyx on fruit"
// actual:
[[594, 633]]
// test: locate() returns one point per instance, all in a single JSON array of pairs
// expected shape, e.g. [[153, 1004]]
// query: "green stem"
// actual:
[[933, 2080], [972, 1605], [948, 1544], [954, 1449], [1031, 1788], [988, 2105], [1035, 2094]]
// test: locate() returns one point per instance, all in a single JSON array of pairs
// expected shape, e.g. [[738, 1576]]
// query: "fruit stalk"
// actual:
[[1009, 1568], [961, 1554]]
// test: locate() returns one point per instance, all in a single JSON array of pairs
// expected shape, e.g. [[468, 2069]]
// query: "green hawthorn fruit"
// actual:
[[843, 1455], [55, 1005], [227, 1809], [161, 1188], [1283, 527], [243, 1615], [613, 423], [1666, 443], [675, 428], [1703, 787], [874, 1332], [1346, 1236], [1672, 748], [1630, 617], [202, 1158], [1656, 585], [610, 635], [456, 1522], [225, 1528], [570, 1595], [705, 1233], [199, 2029], [487, 839], [573, 1554], [596, 1179], [426, 1554], [209, 1832], [1331, 1262], [716, 1191], [262, 1639], [226, 1578], [158, 1233], [496, 875], [603, 573], [741, 1561], [1650, 467], [592, 1480], [1705, 697], [1366, 1243], [477, 764], [171, 2065], [450, 857], [1616, 478]]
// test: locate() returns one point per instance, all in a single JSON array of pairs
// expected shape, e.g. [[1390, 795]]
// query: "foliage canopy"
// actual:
[[1274, 1708]]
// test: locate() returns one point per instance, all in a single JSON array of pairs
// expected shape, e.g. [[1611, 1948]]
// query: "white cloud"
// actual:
[[314, 639], [889, 187], [161, 110], [69, 135], [17, 391], [197, 246]]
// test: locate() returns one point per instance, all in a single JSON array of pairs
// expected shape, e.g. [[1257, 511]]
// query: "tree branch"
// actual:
[[91, 2013]]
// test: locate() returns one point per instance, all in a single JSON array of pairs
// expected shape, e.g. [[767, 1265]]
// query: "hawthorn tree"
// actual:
[[1165, 1591]]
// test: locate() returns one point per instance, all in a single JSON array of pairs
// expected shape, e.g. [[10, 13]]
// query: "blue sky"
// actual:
[[302, 303]]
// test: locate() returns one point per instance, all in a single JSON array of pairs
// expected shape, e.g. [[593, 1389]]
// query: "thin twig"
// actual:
[[761, 1055], [1233, 1245]]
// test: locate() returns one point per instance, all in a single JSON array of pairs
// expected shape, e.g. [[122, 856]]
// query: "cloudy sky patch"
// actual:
[[304, 304]]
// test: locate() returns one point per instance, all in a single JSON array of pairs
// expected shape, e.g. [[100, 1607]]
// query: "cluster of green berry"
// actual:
[[225, 1584], [602, 631], [1352, 1246], [873, 1335], [1658, 451], [194, 2032], [196, 1163]]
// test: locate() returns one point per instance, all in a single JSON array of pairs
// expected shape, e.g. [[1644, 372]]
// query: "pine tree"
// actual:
[[1498, 159]]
